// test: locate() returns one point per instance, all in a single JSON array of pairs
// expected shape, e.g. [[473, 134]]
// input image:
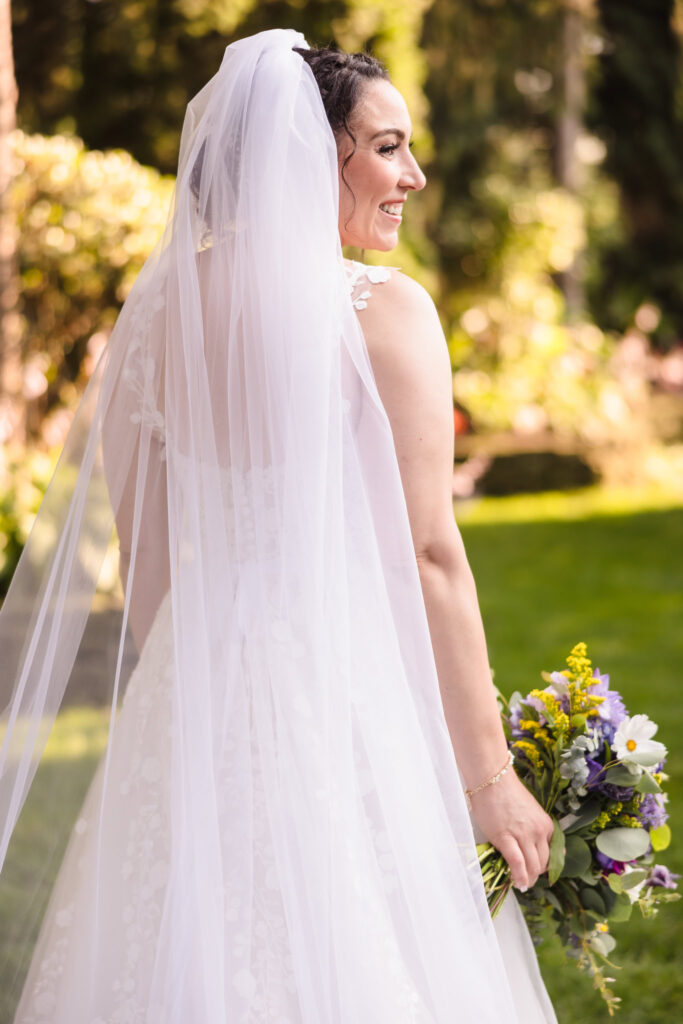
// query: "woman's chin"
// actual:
[[382, 243]]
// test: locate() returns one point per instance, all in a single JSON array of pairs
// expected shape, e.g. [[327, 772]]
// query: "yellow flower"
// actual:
[[562, 721], [627, 821], [580, 665], [602, 926], [538, 731], [552, 710], [527, 724], [529, 751]]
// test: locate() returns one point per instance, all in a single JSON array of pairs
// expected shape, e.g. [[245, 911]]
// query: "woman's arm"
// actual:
[[412, 370]]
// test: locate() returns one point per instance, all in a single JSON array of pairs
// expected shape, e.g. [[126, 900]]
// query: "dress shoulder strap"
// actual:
[[361, 277]]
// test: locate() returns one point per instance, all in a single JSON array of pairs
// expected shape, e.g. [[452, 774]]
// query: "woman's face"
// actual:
[[381, 172]]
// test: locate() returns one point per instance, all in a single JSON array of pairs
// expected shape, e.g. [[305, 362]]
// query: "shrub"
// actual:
[[87, 221]]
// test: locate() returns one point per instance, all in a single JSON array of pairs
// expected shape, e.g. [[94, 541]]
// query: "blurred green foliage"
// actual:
[[520, 366], [24, 476], [87, 222], [635, 106], [499, 65]]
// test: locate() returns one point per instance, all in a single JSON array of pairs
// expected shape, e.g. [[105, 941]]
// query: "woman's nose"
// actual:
[[412, 176]]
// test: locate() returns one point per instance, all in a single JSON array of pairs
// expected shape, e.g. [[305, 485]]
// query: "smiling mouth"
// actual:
[[393, 210]]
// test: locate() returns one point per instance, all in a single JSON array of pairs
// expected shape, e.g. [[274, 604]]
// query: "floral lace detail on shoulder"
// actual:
[[358, 274]]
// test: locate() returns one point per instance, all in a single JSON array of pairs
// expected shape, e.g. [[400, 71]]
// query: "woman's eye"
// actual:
[[390, 148]]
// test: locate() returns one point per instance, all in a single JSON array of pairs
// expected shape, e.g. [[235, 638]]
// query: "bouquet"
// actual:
[[598, 773]]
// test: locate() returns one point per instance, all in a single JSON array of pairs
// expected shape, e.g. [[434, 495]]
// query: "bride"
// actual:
[[278, 830]]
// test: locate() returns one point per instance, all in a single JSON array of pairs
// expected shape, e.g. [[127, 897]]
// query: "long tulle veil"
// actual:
[[233, 436]]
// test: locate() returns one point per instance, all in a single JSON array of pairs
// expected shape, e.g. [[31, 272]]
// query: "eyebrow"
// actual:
[[389, 131]]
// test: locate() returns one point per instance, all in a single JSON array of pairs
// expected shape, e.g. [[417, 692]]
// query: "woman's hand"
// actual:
[[516, 824]]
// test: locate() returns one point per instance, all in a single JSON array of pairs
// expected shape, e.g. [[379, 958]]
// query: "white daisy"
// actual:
[[633, 742]]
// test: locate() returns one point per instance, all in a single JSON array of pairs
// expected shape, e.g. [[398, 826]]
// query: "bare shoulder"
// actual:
[[399, 296], [404, 290], [411, 366], [401, 314]]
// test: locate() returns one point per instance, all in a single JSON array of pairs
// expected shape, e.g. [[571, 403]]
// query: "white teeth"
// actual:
[[393, 208]]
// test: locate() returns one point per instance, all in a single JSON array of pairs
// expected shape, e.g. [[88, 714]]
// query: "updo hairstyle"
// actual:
[[341, 78]]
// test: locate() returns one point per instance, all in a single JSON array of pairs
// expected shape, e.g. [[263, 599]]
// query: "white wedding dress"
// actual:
[[124, 855]]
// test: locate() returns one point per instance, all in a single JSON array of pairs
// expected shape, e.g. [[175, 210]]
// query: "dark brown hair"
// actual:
[[341, 77]]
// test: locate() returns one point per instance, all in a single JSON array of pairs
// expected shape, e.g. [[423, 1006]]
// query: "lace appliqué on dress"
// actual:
[[357, 273]]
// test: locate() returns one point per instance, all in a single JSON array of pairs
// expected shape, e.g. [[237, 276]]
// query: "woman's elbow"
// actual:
[[443, 554]]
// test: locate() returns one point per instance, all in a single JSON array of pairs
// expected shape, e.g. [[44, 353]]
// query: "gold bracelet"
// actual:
[[469, 793]]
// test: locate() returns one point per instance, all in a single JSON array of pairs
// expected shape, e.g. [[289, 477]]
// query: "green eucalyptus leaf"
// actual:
[[623, 844], [557, 853], [632, 878], [620, 775], [592, 900], [660, 838], [608, 897], [552, 899], [646, 784], [586, 815], [530, 712], [614, 882], [598, 944], [622, 909], [577, 857]]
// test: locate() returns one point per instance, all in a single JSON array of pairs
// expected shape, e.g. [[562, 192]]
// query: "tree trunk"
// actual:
[[12, 418]]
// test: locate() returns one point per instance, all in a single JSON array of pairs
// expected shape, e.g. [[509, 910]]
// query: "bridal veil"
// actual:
[[233, 441]]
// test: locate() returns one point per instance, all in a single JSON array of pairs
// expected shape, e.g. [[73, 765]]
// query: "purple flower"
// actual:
[[662, 877], [518, 713], [619, 794], [559, 687], [652, 812], [597, 784], [514, 719], [608, 865], [611, 710], [594, 770]]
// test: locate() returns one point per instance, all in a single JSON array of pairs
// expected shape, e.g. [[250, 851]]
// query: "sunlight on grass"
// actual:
[[560, 506], [79, 732]]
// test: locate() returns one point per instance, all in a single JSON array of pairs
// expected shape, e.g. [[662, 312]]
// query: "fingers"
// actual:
[[511, 850], [526, 860], [543, 851], [543, 845], [533, 864]]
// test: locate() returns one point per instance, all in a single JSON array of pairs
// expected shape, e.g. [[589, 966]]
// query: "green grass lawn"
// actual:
[[553, 570]]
